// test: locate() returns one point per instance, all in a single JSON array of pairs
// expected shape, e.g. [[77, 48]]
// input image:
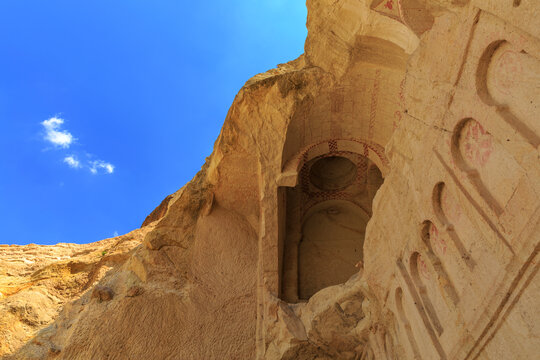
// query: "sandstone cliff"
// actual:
[[36, 282], [376, 198]]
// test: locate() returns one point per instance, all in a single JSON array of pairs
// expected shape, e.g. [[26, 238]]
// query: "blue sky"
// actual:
[[108, 106]]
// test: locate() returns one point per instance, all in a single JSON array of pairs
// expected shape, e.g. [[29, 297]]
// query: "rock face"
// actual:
[[36, 282], [376, 198]]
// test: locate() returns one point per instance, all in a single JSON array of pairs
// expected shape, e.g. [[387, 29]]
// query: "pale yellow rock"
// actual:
[[37, 281], [376, 198]]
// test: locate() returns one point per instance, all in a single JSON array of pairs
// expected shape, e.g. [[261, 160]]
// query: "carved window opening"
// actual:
[[322, 222]]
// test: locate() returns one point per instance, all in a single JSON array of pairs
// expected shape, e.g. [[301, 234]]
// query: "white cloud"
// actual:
[[72, 161], [61, 138], [115, 234], [56, 136], [97, 165]]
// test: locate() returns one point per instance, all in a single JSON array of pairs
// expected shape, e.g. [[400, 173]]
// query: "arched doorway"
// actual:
[[323, 222], [332, 244]]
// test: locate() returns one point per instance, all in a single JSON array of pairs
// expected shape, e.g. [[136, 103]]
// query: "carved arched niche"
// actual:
[[508, 77], [491, 169], [322, 222]]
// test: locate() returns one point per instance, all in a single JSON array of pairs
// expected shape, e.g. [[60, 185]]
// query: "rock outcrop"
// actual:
[[376, 198], [37, 281]]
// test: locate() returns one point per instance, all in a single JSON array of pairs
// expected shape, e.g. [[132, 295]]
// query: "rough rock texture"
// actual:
[[440, 99], [36, 282], [158, 212]]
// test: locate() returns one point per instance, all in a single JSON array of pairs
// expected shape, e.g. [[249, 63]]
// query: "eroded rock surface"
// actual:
[[400, 152], [36, 282]]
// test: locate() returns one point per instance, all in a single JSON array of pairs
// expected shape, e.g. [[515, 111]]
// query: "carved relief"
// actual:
[[504, 78], [419, 273], [404, 321], [448, 212], [438, 239], [476, 144], [368, 149], [483, 159], [423, 312], [430, 235]]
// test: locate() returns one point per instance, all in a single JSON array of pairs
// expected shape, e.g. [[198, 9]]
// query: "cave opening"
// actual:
[[323, 221]]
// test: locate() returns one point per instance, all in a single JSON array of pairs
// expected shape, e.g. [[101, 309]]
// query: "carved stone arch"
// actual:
[[479, 155], [502, 77], [292, 166], [325, 201]]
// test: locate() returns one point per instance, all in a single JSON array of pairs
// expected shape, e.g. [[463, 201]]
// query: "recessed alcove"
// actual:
[[331, 245], [332, 173], [323, 221]]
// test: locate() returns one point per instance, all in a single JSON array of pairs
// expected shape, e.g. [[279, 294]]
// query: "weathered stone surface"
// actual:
[[36, 282], [135, 291], [102, 293], [434, 103], [158, 212]]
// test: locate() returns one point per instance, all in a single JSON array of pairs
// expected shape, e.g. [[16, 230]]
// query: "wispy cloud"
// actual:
[[97, 166], [63, 139], [54, 134], [72, 161]]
